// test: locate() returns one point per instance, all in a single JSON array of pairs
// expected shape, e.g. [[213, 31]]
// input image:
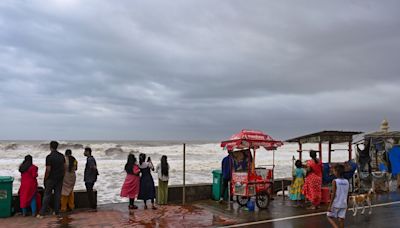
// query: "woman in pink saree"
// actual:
[[313, 182], [130, 188]]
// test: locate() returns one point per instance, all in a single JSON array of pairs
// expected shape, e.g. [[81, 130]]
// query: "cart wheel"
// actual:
[[262, 200], [242, 200]]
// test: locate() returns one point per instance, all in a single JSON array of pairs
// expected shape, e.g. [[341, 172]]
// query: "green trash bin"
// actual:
[[6, 184], [217, 185]]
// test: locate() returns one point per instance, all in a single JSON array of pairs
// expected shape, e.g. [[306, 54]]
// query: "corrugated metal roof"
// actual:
[[326, 136]]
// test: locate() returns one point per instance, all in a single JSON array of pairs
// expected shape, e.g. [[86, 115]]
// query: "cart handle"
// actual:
[[259, 182], [266, 166]]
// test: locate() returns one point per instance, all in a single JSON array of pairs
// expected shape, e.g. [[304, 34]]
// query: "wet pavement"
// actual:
[[280, 213], [118, 215], [385, 214], [381, 217]]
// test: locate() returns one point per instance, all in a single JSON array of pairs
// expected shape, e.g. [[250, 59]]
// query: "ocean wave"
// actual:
[[12, 146], [118, 152], [61, 146], [114, 151], [201, 160]]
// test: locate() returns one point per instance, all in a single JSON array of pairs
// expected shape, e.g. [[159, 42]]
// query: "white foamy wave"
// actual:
[[201, 159]]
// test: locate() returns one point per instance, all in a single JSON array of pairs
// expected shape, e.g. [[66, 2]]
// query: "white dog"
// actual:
[[360, 200]]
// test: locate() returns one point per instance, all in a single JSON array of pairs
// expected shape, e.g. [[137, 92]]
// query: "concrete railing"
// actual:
[[81, 199], [194, 192]]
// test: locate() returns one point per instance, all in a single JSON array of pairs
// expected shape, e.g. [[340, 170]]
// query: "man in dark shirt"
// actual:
[[226, 168], [90, 176], [53, 179]]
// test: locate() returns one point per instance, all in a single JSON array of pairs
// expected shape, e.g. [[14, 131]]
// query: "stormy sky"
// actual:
[[196, 70]]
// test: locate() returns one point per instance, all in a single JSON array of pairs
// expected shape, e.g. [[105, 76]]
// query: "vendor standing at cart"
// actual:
[[313, 182], [226, 167], [240, 160]]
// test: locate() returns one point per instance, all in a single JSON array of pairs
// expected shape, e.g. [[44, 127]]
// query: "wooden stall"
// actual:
[[330, 137]]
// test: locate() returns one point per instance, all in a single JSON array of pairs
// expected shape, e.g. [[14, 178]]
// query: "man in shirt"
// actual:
[[53, 179], [90, 176], [226, 167]]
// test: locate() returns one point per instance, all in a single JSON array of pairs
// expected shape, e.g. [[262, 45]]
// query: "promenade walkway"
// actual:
[[386, 213], [118, 215]]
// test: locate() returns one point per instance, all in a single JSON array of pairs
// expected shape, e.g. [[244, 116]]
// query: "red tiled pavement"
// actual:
[[117, 215]]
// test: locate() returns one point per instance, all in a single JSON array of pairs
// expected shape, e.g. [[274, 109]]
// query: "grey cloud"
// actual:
[[196, 70]]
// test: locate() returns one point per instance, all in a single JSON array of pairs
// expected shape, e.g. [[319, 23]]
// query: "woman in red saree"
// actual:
[[28, 194], [313, 182]]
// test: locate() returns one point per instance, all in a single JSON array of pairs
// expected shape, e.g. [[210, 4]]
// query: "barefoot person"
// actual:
[[90, 176], [162, 170], [339, 198], [130, 188], [67, 193], [53, 179], [313, 181], [28, 195], [147, 190]]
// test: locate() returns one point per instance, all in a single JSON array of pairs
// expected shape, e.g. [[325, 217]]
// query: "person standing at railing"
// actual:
[[90, 177], [28, 195], [147, 189], [53, 179], [130, 188], [162, 170], [67, 193]]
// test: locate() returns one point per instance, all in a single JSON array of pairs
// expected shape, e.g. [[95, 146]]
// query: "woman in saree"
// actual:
[[313, 182]]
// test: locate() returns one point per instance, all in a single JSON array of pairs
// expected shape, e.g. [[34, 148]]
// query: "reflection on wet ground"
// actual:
[[207, 213], [118, 215], [176, 216]]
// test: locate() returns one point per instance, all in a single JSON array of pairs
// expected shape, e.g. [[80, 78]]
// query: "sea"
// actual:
[[201, 159]]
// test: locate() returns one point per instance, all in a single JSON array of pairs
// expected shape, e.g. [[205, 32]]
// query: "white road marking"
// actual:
[[304, 216]]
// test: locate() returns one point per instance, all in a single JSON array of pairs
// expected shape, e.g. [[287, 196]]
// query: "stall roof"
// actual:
[[382, 134], [326, 136]]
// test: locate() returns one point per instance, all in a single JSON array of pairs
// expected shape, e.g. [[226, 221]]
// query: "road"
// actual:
[[385, 215]]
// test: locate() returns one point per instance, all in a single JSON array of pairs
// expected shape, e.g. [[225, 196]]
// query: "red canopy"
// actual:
[[251, 139]]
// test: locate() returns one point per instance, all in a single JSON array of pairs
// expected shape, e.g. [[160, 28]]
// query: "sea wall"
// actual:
[[81, 199], [194, 192]]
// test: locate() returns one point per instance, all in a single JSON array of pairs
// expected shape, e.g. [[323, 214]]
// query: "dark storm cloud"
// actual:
[[196, 69]]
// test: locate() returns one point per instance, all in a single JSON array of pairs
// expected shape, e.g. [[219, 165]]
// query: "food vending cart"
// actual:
[[248, 181]]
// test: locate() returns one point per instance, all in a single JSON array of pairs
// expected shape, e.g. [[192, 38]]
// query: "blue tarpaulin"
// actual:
[[394, 157]]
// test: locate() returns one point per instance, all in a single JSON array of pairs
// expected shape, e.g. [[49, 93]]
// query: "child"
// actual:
[[339, 198], [163, 175], [130, 188], [296, 187]]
